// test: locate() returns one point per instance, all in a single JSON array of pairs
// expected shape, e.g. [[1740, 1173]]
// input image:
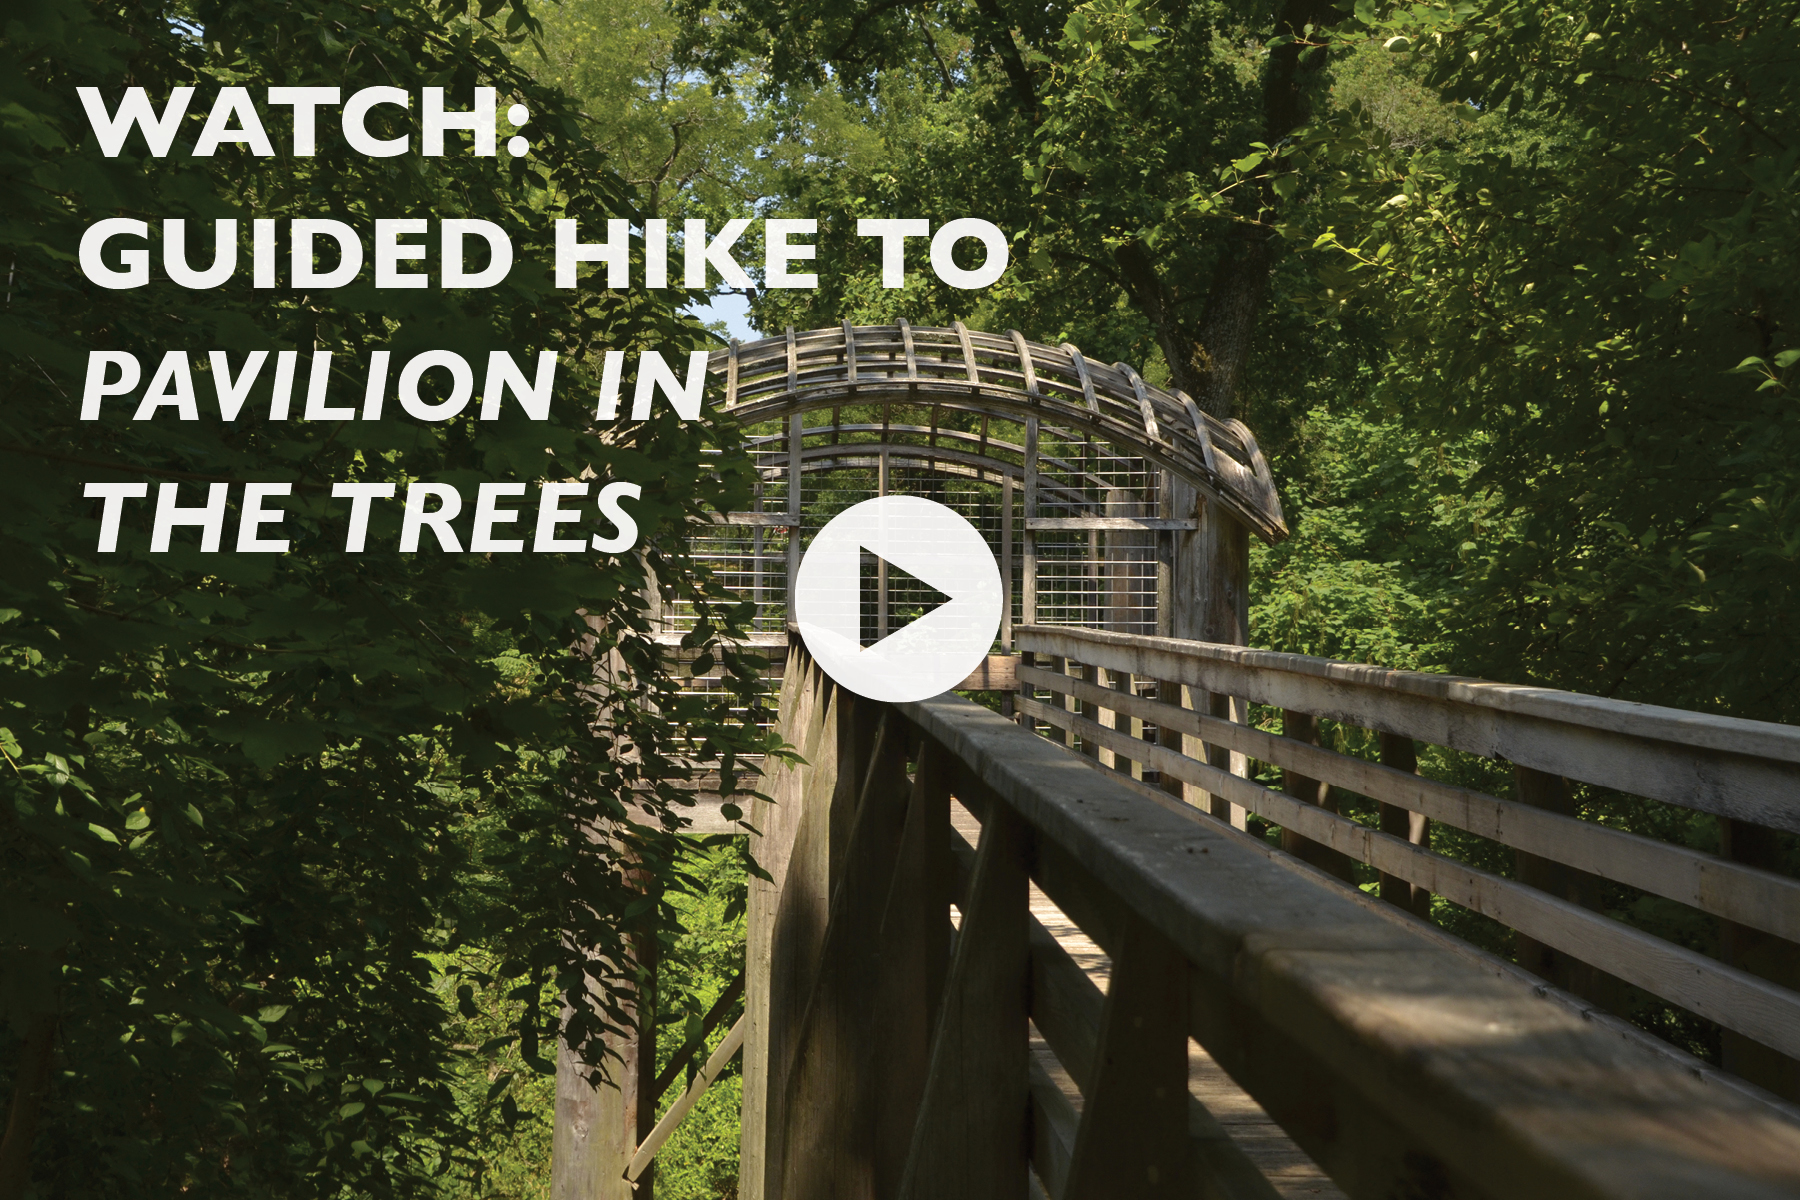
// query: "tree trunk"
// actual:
[[35, 1060]]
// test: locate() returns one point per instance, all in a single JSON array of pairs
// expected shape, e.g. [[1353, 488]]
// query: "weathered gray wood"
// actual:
[[1551, 794], [1138, 524], [1300, 727], [1505, 969], [971, 1138], [790, 921], [1758, 898], [596, 1128], [1383, 1053], [1053, 1125], [995, 674], [1133, 1140], [914, 946], [1399, 754], [716, 1062], [1006, 563], [834, 1077], [781, 376], [1755, 950], [1733, 998], [777, 819], [1749, 770]]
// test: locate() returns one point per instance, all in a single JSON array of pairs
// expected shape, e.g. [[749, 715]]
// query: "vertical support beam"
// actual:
[[1211, 603], [835, 1079], [802, 848], [1303, 727], [778, 818], [1165, 560], [915, 959], [795, 433], [1006, 557], [1551, 792], [597, 1128], [1027, 658], [1090, 710], [972, 1138], [1762, 954], [1400, 753], [1028, 573], [881, 567], [1133, 1140]]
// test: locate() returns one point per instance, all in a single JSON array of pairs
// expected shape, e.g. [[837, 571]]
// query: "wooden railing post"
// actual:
[[1764, 954], [1400, 753], [1133, 1140], [1303, 727], [915, 958], [971, 1140], [1540, 789], [834, 1081], [787, 915], [1090, 710]]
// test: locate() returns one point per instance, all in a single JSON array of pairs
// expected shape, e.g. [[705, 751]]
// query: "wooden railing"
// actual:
[[888, 1056], [1746, 772]]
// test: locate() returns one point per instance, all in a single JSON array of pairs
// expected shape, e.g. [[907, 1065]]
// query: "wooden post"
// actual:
[[806, 842], [881, 567], [1551, 792], [834, 1081], [1133, 1139], [1211, 603], [1763, 954], [782, 924], [915, 958], [1303, 727], [795, 497], [1028, 587], [1398, 752], [1006, 558], [597, 1128], [971, 1141], [1090, 710]]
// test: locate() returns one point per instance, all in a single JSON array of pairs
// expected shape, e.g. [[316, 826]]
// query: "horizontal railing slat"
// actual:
[[1735, 999], [1748, 895], [1747, 770], [1360, 1033]]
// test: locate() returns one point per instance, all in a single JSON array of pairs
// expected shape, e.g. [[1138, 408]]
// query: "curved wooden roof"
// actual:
[[1004, 376]]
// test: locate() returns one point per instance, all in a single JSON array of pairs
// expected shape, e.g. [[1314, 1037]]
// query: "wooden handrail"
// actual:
[[1747, 770], [1387, 1050]]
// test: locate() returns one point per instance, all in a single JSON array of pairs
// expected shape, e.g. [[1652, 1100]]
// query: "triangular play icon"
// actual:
[[909, 598]]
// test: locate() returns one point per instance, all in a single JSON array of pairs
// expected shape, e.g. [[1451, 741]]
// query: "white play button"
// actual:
[[935, 545]]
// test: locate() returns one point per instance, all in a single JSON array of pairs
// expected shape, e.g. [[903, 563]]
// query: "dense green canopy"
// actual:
[[261, 810]]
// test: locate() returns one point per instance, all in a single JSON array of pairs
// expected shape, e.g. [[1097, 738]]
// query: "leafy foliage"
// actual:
[[253, 803], [1597, 288]]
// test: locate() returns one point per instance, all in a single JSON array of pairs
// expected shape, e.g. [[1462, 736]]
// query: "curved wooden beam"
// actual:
[[1009, 378]]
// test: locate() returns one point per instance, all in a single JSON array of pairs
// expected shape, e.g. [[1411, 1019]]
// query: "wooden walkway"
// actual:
[[1288, 1174]]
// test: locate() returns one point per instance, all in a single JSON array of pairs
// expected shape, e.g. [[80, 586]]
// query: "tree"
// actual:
[[1116, 141], [1595, 294], [251, 800]]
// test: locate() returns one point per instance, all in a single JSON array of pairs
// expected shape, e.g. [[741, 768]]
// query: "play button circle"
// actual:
[[928, 541]]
